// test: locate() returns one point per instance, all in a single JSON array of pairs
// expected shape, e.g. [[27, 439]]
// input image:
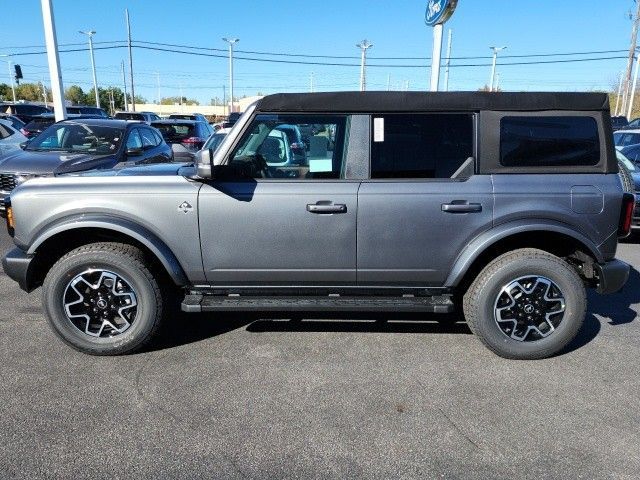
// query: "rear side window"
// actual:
[[560, 141], [422, 146]]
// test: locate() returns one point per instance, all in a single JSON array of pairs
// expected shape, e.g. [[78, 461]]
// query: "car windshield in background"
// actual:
[[214, 141], [77, 137], [176, 132]]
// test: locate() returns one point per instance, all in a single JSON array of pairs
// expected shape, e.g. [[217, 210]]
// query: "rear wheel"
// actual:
[[102, 299], [526, 304]]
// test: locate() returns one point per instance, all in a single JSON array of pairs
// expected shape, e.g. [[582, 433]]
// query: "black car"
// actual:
[[619, 123], [83, 144], [186, 137], [188, 116], [42, 122], [140, 116], [87, 110], [24, 111]]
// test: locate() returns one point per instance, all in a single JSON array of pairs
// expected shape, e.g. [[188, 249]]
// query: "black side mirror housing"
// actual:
[[134, 152], [23, 145]]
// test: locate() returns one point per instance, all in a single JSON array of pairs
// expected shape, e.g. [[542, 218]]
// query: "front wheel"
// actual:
[[526, 304], [102, 299]]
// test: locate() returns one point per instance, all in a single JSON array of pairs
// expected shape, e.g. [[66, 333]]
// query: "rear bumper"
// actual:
[[16, 264], [612, 276]]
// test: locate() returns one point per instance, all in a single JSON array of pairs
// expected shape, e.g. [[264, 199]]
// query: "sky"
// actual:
[[322, 28]]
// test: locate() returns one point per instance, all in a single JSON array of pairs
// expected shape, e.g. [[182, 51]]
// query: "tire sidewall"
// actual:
[[61, 275], [572, 290]]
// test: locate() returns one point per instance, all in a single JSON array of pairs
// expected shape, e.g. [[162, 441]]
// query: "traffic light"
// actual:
[[18, 73]]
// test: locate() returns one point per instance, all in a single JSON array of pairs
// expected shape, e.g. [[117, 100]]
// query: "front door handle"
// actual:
[[461, 207], [326, 208]]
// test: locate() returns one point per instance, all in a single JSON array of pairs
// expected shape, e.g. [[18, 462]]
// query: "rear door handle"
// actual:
[[326, 208], [461, 207]]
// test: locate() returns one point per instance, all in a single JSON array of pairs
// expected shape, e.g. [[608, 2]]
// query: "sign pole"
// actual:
[[435, 57], [54, 61]]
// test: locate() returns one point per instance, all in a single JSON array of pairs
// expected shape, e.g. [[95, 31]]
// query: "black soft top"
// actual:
[[374, 102]]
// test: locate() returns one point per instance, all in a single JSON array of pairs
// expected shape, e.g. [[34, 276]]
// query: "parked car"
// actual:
[[10, 138], [623, 138], [630, 176], [186, 137], [374, 224], [147, 117], [82, 144], [16, 123], [24, 111], [86, 110], [44, 121], [189, 116], [619, 123], [214, 141]]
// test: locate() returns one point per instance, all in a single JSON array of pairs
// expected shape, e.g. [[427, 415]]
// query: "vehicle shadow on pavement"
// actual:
[[190, 328], [617, 307]]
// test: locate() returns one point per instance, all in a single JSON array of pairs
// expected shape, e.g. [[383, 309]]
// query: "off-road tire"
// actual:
[[625, 178], [125, 261], [480, 299]]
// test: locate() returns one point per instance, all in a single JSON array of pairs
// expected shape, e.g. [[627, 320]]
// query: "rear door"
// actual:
[[423, 202]]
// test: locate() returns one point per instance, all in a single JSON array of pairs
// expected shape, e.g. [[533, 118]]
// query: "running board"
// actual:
[[194, 303]]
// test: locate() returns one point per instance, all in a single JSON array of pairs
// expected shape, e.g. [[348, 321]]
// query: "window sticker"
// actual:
[[378, 129]]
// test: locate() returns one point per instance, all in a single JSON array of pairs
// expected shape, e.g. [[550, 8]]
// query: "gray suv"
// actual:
[[504, 205]]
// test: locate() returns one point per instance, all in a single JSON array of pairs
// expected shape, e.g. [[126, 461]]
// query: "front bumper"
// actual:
[[612, 276], [17, 265]]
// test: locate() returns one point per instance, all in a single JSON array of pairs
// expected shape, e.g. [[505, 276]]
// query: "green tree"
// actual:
[[75, 95], [174, 100], [5, 92], [32, 92]]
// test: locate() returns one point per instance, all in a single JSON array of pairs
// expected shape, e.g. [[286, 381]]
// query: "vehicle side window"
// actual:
[[148, 140], [157, 137], [422, 146], [275, 147], [4, 132], [549, 141], [134, 140]]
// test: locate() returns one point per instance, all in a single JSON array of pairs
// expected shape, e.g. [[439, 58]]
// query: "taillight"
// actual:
[[193, 142], [626, 214], [24, 132]]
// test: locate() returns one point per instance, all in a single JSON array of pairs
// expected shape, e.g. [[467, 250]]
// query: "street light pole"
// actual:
[[493, 66], [231, 42], [53, 59], [13, 87], [364, 45], [90, 34]]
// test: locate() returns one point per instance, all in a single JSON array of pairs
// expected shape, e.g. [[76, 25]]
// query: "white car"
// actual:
[[10, 138]]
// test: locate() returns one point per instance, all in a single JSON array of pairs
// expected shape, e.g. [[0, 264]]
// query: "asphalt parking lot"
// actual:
[[384, 397]]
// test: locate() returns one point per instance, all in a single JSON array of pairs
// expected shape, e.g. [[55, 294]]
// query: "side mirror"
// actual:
[[23, 145], [204, 163], [134, 152]]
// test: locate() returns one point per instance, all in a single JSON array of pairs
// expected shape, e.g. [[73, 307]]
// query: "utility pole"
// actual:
[[632, 53], [13, 87], [124, 84], [90, 34], [224, 100], [231, 42], [53, 59], [493, 66], [616, 113], [44, 93], [435, 57], [446, 70], [158, 85], [633, 90], [133, 93], [364, 45]]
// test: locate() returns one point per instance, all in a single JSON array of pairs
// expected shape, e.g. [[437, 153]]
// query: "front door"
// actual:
[[283, 214], [423, 202]]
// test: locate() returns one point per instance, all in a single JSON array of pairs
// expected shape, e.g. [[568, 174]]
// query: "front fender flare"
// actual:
[[106, 222], [497, 233]]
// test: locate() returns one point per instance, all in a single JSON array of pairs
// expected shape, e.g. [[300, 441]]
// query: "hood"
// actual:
[[157, 169], [43, 163]]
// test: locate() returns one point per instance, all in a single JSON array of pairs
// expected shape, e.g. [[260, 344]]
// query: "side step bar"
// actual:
[[213, 303]]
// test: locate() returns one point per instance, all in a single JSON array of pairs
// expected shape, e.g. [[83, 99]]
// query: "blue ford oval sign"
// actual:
[[439, 11]]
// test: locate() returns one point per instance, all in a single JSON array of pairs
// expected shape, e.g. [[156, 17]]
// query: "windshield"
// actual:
[[214, 141], [78, 137], [175, 132]]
